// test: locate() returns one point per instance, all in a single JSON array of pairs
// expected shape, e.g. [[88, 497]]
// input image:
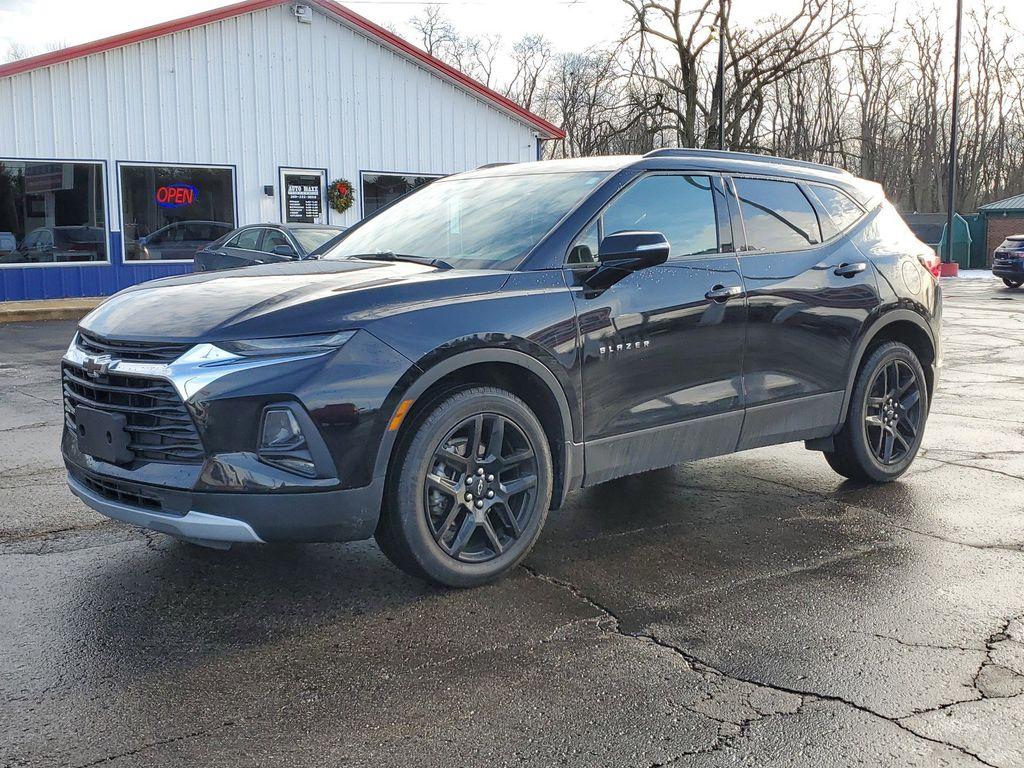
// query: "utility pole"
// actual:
[[951, 185], [721, 73]]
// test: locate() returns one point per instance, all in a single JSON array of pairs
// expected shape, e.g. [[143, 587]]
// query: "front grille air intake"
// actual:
[[159, 425], [142, 351]]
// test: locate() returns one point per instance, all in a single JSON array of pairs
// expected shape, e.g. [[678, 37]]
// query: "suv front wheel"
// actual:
[[470, 491], [886, 418]]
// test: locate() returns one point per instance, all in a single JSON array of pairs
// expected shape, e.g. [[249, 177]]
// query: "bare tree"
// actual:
[[531, 56], [822, 83], [17, 51]]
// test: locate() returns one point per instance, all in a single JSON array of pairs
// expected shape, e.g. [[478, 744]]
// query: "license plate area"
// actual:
[[102, 435]]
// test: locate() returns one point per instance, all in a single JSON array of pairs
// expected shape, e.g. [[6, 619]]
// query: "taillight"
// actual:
[[932, 263]]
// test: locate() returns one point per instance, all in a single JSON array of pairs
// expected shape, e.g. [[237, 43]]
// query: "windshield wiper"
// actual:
[[392, 256]]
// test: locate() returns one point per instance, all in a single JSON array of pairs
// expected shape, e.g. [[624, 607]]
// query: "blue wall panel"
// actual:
[[20, 283]]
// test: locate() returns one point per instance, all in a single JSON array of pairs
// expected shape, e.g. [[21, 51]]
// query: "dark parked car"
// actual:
[[266, 244], [1008, 261], [178, 241], [46, 245], [464, 358]]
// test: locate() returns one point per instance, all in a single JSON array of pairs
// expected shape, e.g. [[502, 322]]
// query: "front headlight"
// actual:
[[287, 345]]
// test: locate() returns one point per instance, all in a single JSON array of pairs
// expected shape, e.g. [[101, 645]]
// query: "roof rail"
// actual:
[[748, 156], [491, 165]]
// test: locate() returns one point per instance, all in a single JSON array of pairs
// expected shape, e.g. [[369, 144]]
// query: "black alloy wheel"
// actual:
[[470, 488], [1012, 283], [886, 419], [892, 412], [480, 490]]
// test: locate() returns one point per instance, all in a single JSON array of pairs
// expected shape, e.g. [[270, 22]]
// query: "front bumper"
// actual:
[[227, 518], [230, 494], [1010, 273], [198, 527], [1008, 264]]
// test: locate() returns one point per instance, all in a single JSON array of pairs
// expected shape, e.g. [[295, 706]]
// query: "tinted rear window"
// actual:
[[776, 215], [843, 211]]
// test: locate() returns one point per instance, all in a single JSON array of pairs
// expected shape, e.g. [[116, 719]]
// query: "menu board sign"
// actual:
[[303, 194]]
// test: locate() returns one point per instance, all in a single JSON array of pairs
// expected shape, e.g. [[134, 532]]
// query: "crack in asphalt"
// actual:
[[998, 636], [33, 425], [964, 465], [159, 743], [907, 644], [835, 498], [709, 671]]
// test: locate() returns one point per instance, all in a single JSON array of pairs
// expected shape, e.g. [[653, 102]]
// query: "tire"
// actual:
[[881, 435], [458, 510], [1012, 283]]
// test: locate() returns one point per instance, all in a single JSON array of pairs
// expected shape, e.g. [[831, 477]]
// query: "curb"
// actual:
[[56, 309]]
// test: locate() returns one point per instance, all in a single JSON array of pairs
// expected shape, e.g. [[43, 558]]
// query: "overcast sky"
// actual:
[[569, 24]]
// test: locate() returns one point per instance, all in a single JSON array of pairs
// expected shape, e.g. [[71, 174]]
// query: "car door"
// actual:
[[662, 347], [242, 250], [809, 293]]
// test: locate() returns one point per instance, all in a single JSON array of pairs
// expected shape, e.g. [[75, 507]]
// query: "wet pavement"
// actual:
[[748, 610]]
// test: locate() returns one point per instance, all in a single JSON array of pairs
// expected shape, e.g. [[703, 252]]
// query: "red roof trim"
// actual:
[[248, 6], [135, 36]]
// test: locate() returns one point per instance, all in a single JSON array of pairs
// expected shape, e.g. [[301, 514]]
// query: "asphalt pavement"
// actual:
[[748, 610]]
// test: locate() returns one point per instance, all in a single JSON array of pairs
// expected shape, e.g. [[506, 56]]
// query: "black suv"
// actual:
[[1008, 261], [464, 358]]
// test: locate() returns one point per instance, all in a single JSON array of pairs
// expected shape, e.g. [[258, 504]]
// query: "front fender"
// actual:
[[437, 365]]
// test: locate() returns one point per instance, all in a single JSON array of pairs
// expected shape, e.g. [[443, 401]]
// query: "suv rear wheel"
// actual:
[[471, 489], [886, 418]]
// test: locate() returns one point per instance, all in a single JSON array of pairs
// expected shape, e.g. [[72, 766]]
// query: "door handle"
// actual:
[[849, 270], [721, 293]]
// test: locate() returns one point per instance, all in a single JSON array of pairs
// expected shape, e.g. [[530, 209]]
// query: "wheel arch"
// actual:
[[902, 325], [519, 373]]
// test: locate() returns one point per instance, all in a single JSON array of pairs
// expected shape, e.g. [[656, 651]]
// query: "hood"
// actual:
[[285, 299]]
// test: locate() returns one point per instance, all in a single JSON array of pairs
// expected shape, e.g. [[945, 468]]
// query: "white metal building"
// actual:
[[118, 158]]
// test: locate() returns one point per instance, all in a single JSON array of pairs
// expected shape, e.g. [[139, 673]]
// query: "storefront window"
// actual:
[[170, 212], [51, 212], [380, 189]]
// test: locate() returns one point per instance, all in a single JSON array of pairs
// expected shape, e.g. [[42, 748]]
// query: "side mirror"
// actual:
[[631, 251], [284, 250], [625, 252]]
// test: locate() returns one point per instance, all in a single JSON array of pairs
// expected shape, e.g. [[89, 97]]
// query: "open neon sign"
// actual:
[[176, 195]]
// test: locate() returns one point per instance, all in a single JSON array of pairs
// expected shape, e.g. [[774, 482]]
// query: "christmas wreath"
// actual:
[[339, 195]]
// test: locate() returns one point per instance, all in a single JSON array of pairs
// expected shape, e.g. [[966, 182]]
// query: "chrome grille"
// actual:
[[159, 425], [147, 351]]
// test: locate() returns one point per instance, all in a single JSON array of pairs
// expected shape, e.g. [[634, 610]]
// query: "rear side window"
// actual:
[[680, 207], [776, 215], [839, 205]]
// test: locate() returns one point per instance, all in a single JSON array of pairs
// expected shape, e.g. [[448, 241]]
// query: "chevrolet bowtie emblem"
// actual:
[[97, 366]]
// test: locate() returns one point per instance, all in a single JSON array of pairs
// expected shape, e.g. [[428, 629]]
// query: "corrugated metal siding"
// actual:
[[1015, 203], [257, 91]]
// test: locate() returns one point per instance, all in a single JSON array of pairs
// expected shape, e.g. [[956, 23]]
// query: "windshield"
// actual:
[[476, 223], [311, 239]]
